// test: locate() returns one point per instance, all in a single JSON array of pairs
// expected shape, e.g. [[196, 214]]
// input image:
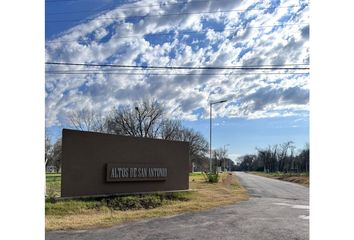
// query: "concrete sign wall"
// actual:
[[104, 164]]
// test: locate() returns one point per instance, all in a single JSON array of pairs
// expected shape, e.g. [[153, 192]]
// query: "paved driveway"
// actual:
[[277, 210]]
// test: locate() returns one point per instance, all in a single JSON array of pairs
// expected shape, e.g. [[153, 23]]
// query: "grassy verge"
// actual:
[[89, 213], [53, 181], [300, 178]]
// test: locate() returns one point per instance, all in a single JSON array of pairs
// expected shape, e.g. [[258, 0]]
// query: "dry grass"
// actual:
[[204, 196], [300, 178]]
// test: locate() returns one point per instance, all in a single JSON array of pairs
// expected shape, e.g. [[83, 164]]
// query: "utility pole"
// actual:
[[211, 113], [225, 155]]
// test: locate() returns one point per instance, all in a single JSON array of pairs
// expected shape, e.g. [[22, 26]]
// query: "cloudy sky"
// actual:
[[264, 106]]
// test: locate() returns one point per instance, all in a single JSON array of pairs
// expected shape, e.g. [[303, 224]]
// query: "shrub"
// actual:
[[150, 201], [96, 204], [135, 202], [211, 177], [124, 203]]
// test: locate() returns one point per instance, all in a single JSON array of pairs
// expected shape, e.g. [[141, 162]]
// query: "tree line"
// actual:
[[279, 157]]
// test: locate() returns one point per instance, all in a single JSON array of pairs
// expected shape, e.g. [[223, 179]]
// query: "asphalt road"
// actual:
[[277, 210]]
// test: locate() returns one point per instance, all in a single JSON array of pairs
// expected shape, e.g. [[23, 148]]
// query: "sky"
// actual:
[[263, 107]]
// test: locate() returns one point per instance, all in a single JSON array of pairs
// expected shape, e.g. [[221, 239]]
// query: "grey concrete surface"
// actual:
[[277, 210]]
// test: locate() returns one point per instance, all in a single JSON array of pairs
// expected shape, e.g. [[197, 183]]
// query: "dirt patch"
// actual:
[[300, 179], [228, 179], [303, 180]]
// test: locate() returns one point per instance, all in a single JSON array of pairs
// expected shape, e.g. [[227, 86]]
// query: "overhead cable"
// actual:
[[259, 67]]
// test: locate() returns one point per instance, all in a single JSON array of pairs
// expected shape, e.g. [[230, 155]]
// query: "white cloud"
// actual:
[[111, 38]]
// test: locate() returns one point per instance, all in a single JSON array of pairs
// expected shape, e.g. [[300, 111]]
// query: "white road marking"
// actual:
[[293, 206], [304, 217], [301, 206]]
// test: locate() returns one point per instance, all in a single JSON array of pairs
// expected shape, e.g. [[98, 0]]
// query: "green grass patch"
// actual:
[[66, 207], [53, 185], [195, 174], [49, 175]]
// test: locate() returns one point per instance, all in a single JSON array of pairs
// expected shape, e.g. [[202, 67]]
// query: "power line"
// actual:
[[144, 70], [149, 16], [259, 67], [186, 32], [171, 74]]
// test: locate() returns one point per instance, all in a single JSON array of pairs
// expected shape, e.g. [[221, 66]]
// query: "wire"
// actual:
[[185, 32], [153, 69], [259, 67], [143, 68], [148, 16], [169, 74]]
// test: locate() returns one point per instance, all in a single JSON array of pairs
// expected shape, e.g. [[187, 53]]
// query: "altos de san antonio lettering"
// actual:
[[115, 173]]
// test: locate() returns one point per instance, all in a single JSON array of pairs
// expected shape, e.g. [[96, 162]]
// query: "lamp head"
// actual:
[[221, 101]]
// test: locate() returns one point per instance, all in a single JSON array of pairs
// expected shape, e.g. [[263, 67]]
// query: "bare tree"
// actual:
[[144, 120], [302, 161], [282, 156], [219, 156], [86, 120], [268, 157], [264, 156], [198, 146], [277, 158], [171, 129], [55, 155], [48, 148], [246, 162]]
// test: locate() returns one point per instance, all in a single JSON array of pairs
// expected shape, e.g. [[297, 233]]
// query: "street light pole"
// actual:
[[225, 154], [211, 113], [211, 109]]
